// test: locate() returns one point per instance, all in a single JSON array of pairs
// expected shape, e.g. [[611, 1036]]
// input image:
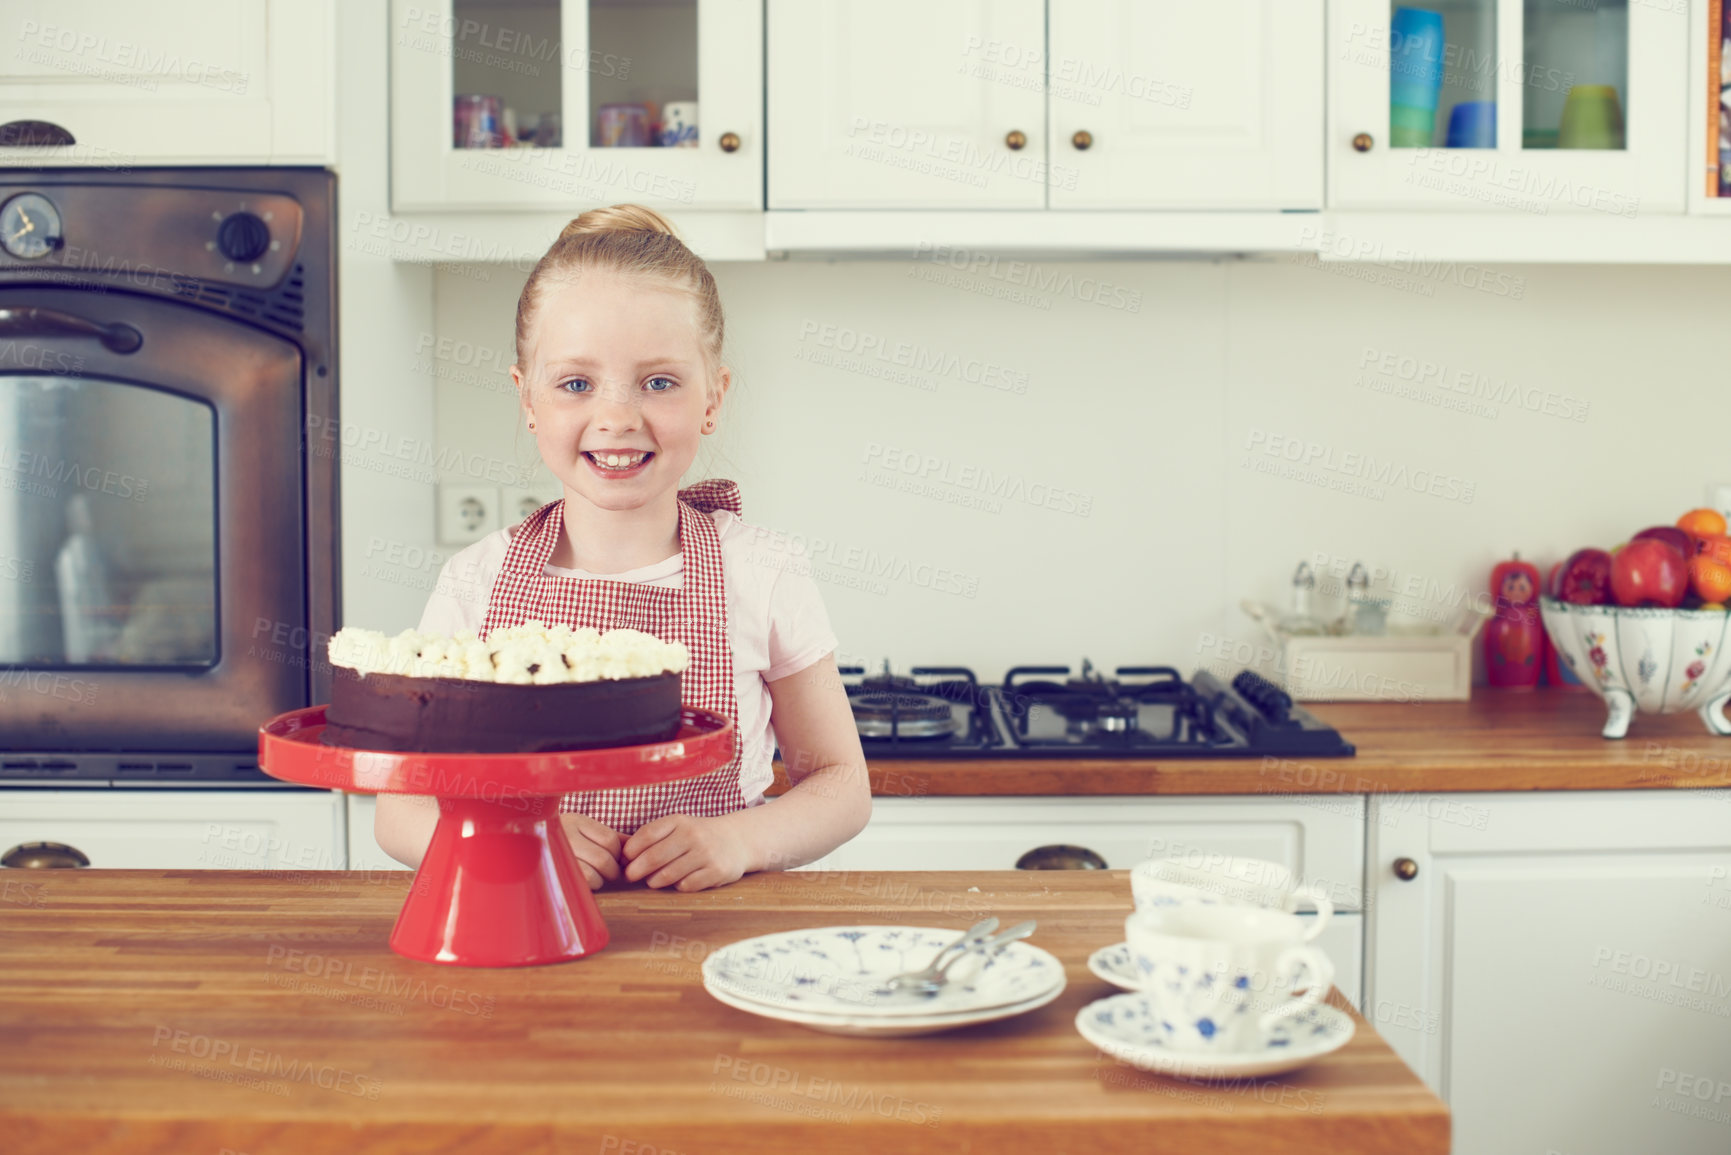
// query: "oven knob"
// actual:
[[242, 237]]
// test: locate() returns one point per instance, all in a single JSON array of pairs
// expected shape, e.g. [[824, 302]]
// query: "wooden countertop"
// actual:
[[1542, 740], [258, 1012]]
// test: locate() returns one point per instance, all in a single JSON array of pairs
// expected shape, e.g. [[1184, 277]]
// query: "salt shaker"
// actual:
[[1300, 622]]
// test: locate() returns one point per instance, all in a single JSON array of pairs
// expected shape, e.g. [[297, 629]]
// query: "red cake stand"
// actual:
[[499, 885]]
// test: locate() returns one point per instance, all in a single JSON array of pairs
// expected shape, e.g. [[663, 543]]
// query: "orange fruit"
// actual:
[[1714, 545], [1710, 578], [1702, 521]]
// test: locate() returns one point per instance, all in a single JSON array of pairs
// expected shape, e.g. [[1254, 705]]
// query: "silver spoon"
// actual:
[[920, 983], [934, 971]]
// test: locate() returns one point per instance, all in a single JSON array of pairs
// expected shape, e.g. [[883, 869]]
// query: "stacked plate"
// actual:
[[834, 979]]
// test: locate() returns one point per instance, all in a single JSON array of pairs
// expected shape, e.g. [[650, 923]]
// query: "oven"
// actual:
[[168, 544]]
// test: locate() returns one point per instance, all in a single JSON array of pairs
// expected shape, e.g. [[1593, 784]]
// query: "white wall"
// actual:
[[1156, 416]]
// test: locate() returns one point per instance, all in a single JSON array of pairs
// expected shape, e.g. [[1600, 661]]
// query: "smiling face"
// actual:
[[617, 386]]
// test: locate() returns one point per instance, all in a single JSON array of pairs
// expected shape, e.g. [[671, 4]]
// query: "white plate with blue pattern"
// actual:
[[842, 970], [1127, 1027], [882, 1026]]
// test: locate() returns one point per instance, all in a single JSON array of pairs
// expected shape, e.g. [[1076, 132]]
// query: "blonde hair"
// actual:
[[636, 241]]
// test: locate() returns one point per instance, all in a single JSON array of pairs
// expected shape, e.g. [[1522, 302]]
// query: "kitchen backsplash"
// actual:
[[995, 461]]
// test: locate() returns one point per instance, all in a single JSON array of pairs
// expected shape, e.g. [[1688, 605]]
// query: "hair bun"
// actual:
[[618, 218]]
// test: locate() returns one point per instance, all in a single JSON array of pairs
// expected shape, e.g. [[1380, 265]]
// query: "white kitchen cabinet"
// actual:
[[907, 104], [1558, 966], [1177, 105], [1524, 56], [552, 65], [184, 829], [1028, 104], [195, 82]]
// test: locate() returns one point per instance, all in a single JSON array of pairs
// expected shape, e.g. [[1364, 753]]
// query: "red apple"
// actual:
[[1671, 536], [1648, 571], [1585, 578]]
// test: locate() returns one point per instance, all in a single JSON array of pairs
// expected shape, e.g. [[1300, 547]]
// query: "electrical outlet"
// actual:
[[467, 513], [520, 503]]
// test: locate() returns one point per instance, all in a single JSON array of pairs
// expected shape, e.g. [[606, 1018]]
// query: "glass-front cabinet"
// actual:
[[564, 104], [1537, 106]]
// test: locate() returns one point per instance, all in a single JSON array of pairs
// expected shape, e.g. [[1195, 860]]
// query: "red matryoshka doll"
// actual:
[[1514, 640]]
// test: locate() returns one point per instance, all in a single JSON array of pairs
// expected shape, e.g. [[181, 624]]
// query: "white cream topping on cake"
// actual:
[[533, 653]]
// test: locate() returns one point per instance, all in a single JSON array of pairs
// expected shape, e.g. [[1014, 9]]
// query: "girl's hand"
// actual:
[[596, 846], [687, 853]]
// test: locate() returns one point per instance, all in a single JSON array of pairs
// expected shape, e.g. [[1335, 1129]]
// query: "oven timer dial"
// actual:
[[243, 237], [30, 226]]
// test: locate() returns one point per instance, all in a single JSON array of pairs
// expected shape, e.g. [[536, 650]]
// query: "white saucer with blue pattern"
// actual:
[[1126, 1027], [1116, 965], [842, 970]]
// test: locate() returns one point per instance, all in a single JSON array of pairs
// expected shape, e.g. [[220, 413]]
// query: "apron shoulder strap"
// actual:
[[715, 493]]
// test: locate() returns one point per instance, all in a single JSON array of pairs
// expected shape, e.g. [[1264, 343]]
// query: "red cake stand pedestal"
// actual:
[[499, 885]]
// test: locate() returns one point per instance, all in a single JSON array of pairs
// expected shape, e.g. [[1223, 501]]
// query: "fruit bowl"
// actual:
[[1660, 661]]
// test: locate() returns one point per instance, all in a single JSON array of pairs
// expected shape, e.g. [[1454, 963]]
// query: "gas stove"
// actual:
[[1053, 711]]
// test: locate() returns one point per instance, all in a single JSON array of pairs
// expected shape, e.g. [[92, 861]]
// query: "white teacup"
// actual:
[[1219, 977], [1227, 878], [1156, 894]]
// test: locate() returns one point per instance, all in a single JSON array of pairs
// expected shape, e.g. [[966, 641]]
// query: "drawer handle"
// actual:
[[44, 856], [1363, 142], [1060, 858], [34, 134], [1016, 140], [1405, 869], [729, 142], [1083, 140]]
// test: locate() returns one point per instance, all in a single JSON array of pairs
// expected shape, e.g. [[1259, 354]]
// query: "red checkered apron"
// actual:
[[695, 614]]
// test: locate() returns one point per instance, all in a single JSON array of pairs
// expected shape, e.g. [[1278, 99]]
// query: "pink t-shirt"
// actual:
[[775, 618]]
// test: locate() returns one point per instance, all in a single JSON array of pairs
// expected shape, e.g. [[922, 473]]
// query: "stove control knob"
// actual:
[[243, 237]]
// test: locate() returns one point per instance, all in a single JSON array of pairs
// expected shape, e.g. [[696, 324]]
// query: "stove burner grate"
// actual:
[[898, 715]]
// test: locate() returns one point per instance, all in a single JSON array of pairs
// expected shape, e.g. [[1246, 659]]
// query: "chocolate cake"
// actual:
[[525, 689]]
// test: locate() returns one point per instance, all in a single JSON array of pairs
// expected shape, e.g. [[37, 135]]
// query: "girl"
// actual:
[[619, 374]]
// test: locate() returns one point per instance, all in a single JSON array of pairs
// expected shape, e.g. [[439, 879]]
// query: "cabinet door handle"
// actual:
[[1016, 140], [1363, 142], [1405, 869], [1083, 139], [729, 142], [1060, 858], [44, 856]]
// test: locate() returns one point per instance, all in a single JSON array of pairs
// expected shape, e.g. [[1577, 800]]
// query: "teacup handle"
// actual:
[[1324, 908], [1315, 968]]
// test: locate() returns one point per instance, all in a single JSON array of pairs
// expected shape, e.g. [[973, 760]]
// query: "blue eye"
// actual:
[[582, 385], [667, 383]]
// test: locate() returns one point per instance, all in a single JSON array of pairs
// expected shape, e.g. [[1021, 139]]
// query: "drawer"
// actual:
[[1320, 838], [184, 829]]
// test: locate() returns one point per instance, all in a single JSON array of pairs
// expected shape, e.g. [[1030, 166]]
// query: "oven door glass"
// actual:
[[108, 506], [153, 542]]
